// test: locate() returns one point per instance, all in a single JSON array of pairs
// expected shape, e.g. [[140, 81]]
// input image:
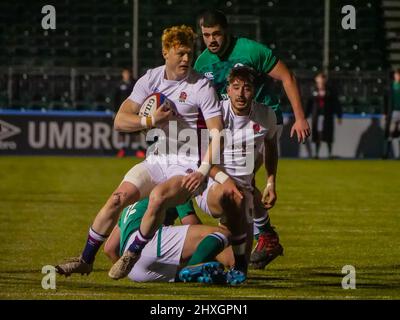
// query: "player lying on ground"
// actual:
[[169, 179], [225, 51], [185, 212], [251, 124], [194, 248]]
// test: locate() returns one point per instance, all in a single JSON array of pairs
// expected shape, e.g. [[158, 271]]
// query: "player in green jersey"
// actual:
[[224, 52]]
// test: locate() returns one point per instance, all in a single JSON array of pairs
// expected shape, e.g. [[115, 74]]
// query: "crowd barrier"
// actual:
[[92, 134]]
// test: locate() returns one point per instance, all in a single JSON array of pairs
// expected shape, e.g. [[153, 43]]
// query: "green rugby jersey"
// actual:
[[242, 51], [131, 217]]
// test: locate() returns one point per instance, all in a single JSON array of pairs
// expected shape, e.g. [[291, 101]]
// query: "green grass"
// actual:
[[329, 214]]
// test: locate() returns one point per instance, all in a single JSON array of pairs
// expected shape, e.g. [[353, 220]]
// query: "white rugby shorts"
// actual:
[[160, 258], [158, 169]]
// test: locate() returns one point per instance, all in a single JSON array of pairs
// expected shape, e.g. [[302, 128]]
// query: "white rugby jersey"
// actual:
[[195, 101], [248, 134]]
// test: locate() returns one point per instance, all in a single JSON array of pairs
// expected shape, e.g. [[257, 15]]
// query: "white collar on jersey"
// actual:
[[183, 79]]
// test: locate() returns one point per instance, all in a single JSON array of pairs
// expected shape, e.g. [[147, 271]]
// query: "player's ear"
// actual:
[[228, 88], [165, 53]]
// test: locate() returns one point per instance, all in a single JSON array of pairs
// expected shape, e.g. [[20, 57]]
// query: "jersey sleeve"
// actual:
[[199, 63], [141, 90], [185, 209], [266, 117], [262, 57], [208, 101]]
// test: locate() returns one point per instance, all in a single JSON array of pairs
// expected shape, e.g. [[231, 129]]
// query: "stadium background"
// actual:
[[329, 214], [72, 67], [77, 66]]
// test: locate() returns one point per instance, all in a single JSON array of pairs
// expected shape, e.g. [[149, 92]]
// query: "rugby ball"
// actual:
[[153, 102]]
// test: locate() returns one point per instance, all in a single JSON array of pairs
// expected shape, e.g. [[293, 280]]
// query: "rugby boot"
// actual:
[[208, 272], [266, 250], [124, 265], [235, 277], [74, 265]]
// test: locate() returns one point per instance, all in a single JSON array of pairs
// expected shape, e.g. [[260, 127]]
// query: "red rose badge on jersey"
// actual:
[[182, 97], [256, 128]]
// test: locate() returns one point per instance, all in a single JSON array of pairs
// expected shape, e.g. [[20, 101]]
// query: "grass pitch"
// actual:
[[329, 214]]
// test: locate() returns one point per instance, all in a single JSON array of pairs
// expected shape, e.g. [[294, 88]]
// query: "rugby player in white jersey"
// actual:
[[252, 124], [168, 178]]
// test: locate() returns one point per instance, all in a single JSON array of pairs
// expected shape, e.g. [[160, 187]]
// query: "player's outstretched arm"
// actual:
[[301, 126]]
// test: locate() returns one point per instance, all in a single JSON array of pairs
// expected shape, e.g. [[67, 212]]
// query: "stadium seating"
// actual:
[[98, 34]]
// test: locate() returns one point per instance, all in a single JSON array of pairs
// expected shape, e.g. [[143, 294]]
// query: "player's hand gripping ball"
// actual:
[[155, 101]]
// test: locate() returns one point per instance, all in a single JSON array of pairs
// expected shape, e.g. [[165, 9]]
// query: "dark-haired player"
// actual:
[[223, 52]]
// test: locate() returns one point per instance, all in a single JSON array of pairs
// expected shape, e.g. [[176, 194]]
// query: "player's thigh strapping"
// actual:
[[158, 169]]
